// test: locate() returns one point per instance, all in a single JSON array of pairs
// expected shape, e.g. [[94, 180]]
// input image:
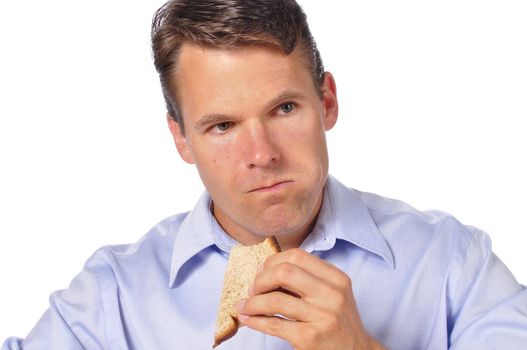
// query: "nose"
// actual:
[[259, 148]]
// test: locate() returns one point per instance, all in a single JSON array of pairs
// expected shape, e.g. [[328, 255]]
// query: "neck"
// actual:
[[295, 239], [286, 240]]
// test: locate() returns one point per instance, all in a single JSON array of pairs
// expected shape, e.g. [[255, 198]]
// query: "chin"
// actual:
[[281, 227]]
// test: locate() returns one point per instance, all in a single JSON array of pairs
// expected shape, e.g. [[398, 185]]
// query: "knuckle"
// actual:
[[338, 299], [285, 272], [274, 324], [332, 323], [346, 282], [296, 256]]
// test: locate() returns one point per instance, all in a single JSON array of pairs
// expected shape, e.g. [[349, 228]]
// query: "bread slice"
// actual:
[[239, 276]]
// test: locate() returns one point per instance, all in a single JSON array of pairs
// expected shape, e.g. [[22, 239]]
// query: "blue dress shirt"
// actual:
[[422, 280]]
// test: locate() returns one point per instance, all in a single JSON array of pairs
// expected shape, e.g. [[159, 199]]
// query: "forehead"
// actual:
[[212, 76], [251, 59]]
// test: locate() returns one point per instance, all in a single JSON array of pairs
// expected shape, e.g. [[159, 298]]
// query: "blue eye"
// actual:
[[287, 107], [224, 126]]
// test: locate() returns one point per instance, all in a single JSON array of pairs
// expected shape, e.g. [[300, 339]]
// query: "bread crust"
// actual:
[[235, 286], [274, 243], [227, 332]]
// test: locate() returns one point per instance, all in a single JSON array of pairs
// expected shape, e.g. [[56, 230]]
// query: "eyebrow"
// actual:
[[211, 119]]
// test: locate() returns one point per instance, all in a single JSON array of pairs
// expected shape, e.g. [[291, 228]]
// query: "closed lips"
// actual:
[[270, 187]]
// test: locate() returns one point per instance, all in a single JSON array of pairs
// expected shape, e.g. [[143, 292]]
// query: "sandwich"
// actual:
[[239, 276]]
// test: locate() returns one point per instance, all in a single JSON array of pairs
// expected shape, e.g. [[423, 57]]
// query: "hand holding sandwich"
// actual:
[[322, 315]]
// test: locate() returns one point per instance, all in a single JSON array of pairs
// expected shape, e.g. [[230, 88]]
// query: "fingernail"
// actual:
[[240, 305], [250, 290], [260, 268]]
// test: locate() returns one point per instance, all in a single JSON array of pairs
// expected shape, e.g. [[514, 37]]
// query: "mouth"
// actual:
[[277, 186]]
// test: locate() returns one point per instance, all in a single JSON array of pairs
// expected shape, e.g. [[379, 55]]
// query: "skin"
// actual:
[[255, 129]]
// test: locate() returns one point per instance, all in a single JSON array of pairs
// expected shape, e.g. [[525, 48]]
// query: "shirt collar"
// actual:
[[198, 231], [342, 216], [193, 235]]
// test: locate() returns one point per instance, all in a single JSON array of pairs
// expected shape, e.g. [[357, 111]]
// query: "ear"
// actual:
[[180, 140], [329, 101]]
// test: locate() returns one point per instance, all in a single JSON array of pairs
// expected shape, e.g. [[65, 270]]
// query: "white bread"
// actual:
[[239, 276]]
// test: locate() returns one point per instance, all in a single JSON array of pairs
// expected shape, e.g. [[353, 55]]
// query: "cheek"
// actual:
[[305, 141], [214, 164]]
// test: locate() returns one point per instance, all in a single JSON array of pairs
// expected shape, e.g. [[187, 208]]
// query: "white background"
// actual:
[[433, 107]]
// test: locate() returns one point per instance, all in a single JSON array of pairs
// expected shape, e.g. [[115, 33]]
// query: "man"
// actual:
[[249, 103]]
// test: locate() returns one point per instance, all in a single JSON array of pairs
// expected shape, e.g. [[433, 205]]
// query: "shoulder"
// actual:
[[410, 234], [413, 233], [122, 259], [388, 208], [431, 244], [387, 211]]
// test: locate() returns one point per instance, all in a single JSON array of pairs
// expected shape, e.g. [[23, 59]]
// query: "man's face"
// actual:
[[255, 128]]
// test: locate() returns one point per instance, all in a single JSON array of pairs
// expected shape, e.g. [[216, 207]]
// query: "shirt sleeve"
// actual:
[[489, 308], [74, 320]]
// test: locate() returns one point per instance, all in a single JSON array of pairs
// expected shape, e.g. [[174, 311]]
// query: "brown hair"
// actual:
[[228, 24]]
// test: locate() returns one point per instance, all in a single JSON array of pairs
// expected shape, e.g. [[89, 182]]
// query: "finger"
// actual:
[[274, 326], [274, 303], [319, 268], [290, 277]]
